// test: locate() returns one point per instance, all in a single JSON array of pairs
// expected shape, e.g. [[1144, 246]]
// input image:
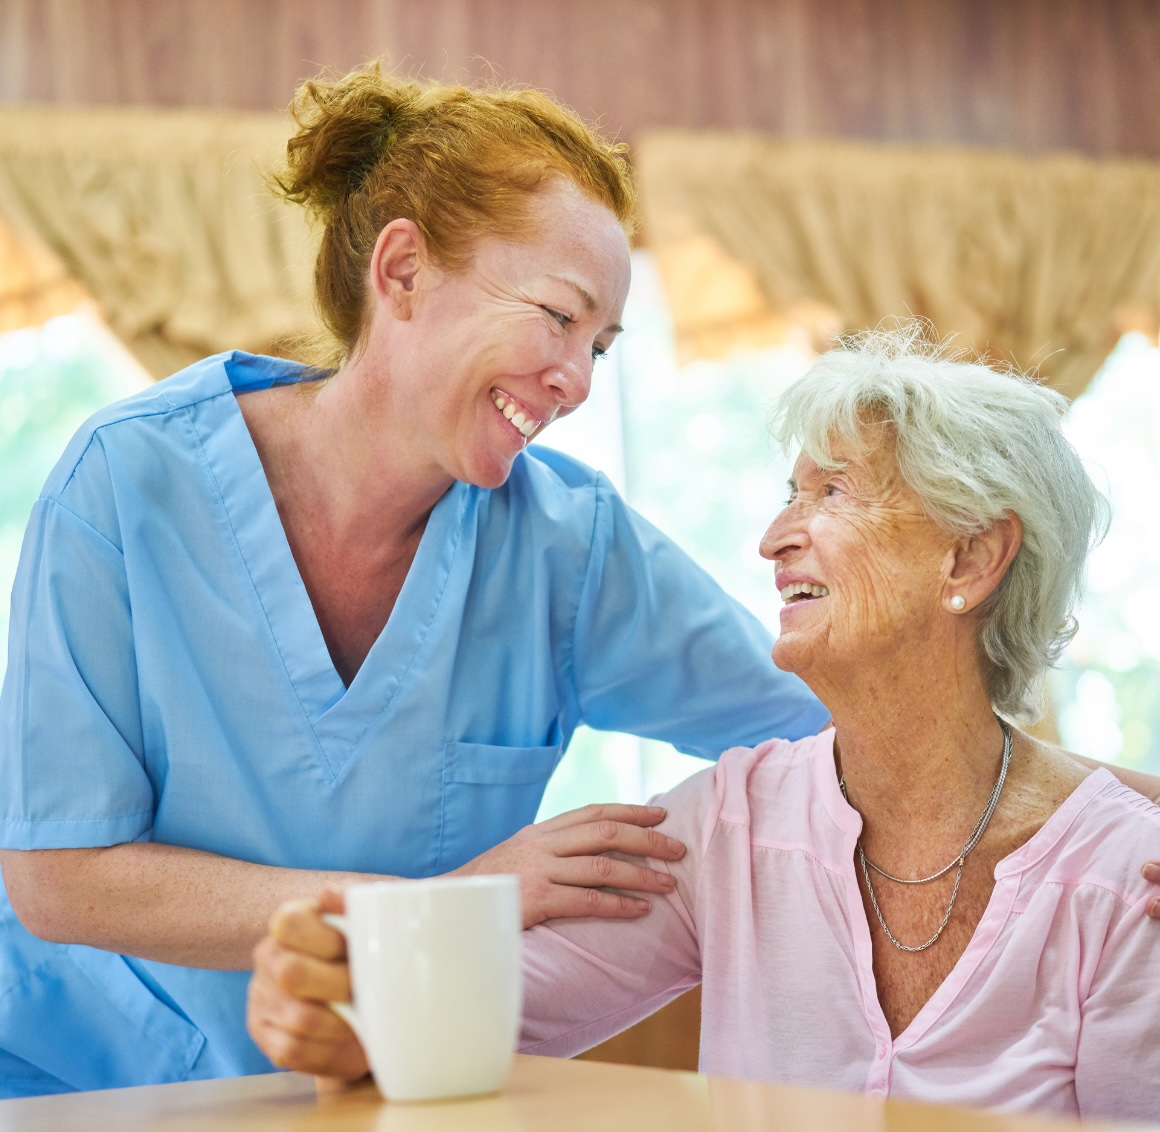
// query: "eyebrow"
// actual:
[[589, 300]]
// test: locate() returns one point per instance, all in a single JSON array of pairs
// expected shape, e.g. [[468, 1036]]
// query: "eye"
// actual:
[[598, 352], [562, 318], [832, 489]]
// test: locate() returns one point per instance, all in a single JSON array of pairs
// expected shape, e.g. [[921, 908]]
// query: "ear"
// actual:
[[397, 262], [977, 565]]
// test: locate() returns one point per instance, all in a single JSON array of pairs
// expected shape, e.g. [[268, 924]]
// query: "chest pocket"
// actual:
[[488, 794]]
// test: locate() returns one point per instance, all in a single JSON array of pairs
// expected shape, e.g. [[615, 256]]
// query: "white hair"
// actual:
[[973, 444]]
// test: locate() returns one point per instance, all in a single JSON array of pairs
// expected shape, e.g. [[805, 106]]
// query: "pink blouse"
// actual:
[[1054, 1006]]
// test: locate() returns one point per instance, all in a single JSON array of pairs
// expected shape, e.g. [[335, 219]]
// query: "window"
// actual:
[[689, 448], [692, 453], [52, 378], [1107, 689]]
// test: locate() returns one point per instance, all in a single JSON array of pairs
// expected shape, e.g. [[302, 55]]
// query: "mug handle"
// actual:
[[344, 1010]]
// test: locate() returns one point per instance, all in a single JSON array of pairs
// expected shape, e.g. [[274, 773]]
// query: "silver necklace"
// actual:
[[959, 861]]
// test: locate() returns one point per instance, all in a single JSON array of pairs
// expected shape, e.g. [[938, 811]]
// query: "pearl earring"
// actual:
[[958, 603]]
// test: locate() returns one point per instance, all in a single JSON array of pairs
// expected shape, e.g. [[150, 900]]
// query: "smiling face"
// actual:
[[861, 568], [493, 354]]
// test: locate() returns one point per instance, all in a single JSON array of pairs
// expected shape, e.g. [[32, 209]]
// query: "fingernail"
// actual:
[[676, 846], [642, 905], [667, 879], [1151, 872], [1154, 909], [659, 810]]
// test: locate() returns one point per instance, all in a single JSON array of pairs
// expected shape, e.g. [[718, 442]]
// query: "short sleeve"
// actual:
[[1117, 1068], [71, 751], [660, 650], [586, 980]]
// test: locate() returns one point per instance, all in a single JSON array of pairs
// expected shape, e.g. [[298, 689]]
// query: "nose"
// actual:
[[784, 535], [570, 380]]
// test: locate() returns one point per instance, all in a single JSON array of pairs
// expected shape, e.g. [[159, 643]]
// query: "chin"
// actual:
[[487, 474], [790, 655]]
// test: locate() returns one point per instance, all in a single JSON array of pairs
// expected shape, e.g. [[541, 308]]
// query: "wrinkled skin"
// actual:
[[860, 531]]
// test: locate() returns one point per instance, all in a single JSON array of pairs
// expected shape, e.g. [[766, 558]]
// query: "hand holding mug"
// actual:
[[301, 964], [299, 968], [435, 970]]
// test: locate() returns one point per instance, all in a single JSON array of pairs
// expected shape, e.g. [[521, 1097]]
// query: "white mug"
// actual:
[[435, 974]]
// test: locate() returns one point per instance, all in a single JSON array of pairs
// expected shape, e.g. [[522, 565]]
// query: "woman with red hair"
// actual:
[[277, 625]]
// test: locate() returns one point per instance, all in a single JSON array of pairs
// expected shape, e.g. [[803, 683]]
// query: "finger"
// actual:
[[602, 836], [304, 1055], [1151, 871], [296, 1016], [300, 975], [608, 872], [299, 925], [298, 1035], [332, 900], [566, 901], [1154, 909], [605, 811]]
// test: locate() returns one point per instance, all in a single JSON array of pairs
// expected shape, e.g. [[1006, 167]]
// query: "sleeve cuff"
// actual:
[[78, 833]]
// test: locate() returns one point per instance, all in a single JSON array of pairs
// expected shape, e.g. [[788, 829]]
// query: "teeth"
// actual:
[[803, 588], [527, 425]]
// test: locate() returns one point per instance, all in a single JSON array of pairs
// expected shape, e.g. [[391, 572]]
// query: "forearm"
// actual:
[[586, 981], [1145, 784], [161, 902]]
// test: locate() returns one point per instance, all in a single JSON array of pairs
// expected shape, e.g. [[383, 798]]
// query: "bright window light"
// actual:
[[689, 448], [1107, 689], [52, 378]]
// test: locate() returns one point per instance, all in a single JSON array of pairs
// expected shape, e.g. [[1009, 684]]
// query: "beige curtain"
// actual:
[[164, 218], [1041, 261], [34, 285]]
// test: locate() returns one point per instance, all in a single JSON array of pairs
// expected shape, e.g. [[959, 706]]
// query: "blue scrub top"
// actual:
[[168, 681]]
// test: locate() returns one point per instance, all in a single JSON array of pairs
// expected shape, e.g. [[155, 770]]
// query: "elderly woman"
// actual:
[[276, 625], [921, 901]]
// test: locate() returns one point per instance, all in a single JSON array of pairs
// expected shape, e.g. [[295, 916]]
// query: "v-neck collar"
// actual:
[[339, 715], [1007, 872]]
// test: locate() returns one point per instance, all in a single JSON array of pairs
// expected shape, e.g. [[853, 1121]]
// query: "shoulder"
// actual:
[[555, 470], [550, 484], [770, 789], [135, 415], [1100, 838], [552, 497], [573, 501]]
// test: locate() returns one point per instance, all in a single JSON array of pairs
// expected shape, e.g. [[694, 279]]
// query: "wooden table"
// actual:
[[541, 1093]]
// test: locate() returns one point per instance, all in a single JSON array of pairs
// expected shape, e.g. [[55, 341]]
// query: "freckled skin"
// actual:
[[490, 326], [356, 468]]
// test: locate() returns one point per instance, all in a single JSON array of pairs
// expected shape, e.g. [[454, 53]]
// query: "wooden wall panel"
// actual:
[[1028, 74]]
